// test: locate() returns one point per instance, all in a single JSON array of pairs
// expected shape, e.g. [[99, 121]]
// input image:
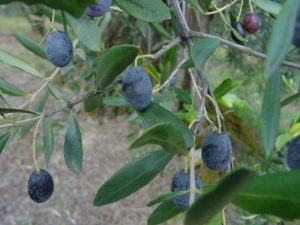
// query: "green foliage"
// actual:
[[73, 146], [10, 110], [155, 114], [209, 204], [91, 104], [132, 177], [75, 7], [280, 42], [272, 194], [202, 50], [56, 93], [183, 96], [271, 111], [87, 30], [3, 140], [114, 101], [290, 99], [113, 62], [14, 61], [48, 140], [164, 134], [7, 88], [268, 6], [147, 10], [31, 45], [165, 197], [164, 212], [226, 86]]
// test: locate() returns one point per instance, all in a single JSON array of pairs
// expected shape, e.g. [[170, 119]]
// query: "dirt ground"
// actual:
[[105, 150]]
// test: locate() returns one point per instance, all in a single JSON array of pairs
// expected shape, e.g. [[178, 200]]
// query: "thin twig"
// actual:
[[173, 74], [221, 9], [20, 123], [241, 48], [185, 36], [36, 164], [195, 84], [217, 110], [192, 176], [240, 11], [70, 105], [163, 50]]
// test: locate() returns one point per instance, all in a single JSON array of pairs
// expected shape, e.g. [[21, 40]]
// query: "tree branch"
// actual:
[[246, 50], [186, 37], [163, 50], [70, 105]]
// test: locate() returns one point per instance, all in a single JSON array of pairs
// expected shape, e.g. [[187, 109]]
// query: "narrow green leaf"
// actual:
[[202, 50], [196, 5], [164, 134], [73, 153], [216, 220], [290, 99], [132, 177], [30, 45], [142, 26], [113, 62], [10, 110], [164, 212], [48, 140], [226, 86], [271, 111], [93, 103], [272, 194], [75, 7], [155, 114], [229, 26], [3, 140], [188, 63], [209, 204], [114, 101], [56, 93], [5, 101], [279, 43], [147, 10], [14, 61], [87, 30], [183, 96], [165, 197], [160, 30], [268, 6], [41, 103], [10, 89]]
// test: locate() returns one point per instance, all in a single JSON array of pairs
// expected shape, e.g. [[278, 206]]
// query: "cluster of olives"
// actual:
[[181, 182], [59, 50], [216, 154], [251, 24]]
